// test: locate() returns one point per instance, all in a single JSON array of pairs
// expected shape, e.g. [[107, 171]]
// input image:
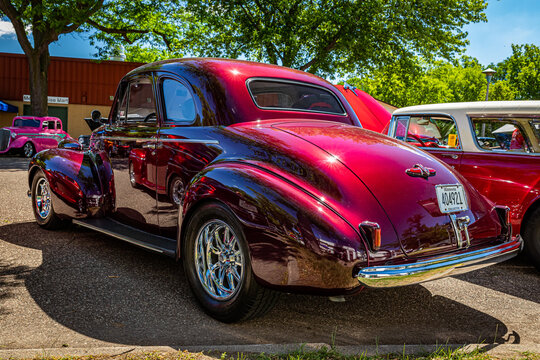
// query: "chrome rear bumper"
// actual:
[[437, 267]]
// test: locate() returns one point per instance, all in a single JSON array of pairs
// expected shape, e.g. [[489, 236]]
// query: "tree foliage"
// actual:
[[38, 23], [521, 72], [326, 37], [516, 78]]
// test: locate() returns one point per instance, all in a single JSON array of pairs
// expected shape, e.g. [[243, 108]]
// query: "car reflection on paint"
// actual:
[[261, 180]]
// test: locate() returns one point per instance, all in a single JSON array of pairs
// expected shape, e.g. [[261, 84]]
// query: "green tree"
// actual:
[[501, 90], [521, 71], [428, 83], [326, 37], [38, 23]]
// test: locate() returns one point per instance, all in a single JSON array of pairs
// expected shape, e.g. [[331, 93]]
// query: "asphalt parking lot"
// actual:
[[79, 288]]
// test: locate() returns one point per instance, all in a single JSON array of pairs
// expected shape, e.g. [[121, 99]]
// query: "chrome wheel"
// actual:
[[43, 198], [28, 149], [176, 190], [132, 175], [219, 260]]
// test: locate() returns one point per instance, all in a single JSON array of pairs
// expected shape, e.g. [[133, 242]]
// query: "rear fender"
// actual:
[[295, 241], [81, 182]]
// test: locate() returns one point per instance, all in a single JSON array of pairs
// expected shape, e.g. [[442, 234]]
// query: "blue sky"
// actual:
[[509, 22]]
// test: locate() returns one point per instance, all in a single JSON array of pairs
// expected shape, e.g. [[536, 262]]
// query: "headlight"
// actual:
[[13, 135]]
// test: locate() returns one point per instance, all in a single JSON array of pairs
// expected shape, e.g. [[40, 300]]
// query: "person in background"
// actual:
[[517, 142]]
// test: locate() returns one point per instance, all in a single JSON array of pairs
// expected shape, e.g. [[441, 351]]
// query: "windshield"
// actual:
[[26, 122]]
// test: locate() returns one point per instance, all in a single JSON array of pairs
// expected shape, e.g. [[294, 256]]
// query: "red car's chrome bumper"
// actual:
[[437, 267]]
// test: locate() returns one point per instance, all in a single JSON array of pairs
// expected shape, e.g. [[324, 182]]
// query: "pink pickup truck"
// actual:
[[31, 134]]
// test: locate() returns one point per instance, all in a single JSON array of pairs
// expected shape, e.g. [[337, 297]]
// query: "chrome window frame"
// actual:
[[294, 82]]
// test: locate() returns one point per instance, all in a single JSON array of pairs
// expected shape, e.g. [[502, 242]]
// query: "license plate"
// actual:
[[451, 198]]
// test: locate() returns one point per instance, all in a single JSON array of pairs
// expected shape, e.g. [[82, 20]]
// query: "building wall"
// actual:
[[76, 114], [89, 85]]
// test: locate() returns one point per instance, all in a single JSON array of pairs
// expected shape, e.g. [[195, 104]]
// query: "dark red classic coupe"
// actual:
[[260, 178]]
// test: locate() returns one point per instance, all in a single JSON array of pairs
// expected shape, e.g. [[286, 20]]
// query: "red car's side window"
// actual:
[[428, 131], [505, 134]]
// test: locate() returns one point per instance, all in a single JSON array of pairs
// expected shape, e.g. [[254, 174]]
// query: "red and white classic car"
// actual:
[[260, 178], [30, 134], [495, 145]]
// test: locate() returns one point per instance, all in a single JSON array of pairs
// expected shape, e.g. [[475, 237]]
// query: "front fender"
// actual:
[[296, 242], [19, 142], [81, 182]]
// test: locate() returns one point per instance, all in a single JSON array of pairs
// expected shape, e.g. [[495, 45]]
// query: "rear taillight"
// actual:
[[372, 232]]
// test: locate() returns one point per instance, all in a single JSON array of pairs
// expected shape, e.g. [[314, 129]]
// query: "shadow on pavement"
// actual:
[[12, 163], [111, 291], [502, 277]]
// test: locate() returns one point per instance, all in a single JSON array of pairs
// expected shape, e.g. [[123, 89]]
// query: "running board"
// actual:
[[130, 234]]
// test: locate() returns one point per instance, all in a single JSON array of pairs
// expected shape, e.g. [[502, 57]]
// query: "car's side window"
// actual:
[[430, 131], [503, 134], [402, 123], [179, 104], [141, 105]]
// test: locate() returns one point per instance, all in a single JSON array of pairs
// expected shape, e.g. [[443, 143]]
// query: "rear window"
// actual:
[[285, 95]]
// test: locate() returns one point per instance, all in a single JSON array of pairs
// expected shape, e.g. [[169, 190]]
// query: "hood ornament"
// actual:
[[419, 170]]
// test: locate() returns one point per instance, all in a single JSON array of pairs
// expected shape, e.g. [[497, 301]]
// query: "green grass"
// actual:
[[321, 354]]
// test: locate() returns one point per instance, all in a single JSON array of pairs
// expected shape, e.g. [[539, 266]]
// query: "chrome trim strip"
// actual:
[[184, 141], [116, 235], [188, 141], [434, 268]]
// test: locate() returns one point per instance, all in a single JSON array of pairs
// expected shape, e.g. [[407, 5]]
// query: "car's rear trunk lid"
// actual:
[[410, 202]]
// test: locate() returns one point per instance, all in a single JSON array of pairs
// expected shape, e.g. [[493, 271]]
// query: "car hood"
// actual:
[[410, 203]]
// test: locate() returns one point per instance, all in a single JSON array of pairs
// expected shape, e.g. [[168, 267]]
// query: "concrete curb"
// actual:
[[498, 350]]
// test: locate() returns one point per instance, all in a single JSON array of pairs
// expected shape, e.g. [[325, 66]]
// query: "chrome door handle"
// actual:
[[149, 146], [453, 156]]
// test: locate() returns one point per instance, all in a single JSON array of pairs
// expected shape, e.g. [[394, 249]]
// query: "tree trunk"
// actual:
[[39, 69]]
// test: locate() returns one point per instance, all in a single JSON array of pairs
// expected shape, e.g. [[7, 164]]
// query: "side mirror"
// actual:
[[95, 115]]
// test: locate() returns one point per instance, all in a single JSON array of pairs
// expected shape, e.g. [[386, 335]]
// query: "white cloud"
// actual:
[[6, 29]]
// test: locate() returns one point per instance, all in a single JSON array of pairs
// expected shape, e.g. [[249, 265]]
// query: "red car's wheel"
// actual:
[[42, 204], [531, 237], [132, 179], [176, 189], [218, 267]]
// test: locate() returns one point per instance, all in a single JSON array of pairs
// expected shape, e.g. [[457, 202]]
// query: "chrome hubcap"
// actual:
[[28, 149], [219, 260], [176, 190], [43, 198], [131, 174]]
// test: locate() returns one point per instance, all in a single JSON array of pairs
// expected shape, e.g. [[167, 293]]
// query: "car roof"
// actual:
[[229, 68], [495, 107]]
